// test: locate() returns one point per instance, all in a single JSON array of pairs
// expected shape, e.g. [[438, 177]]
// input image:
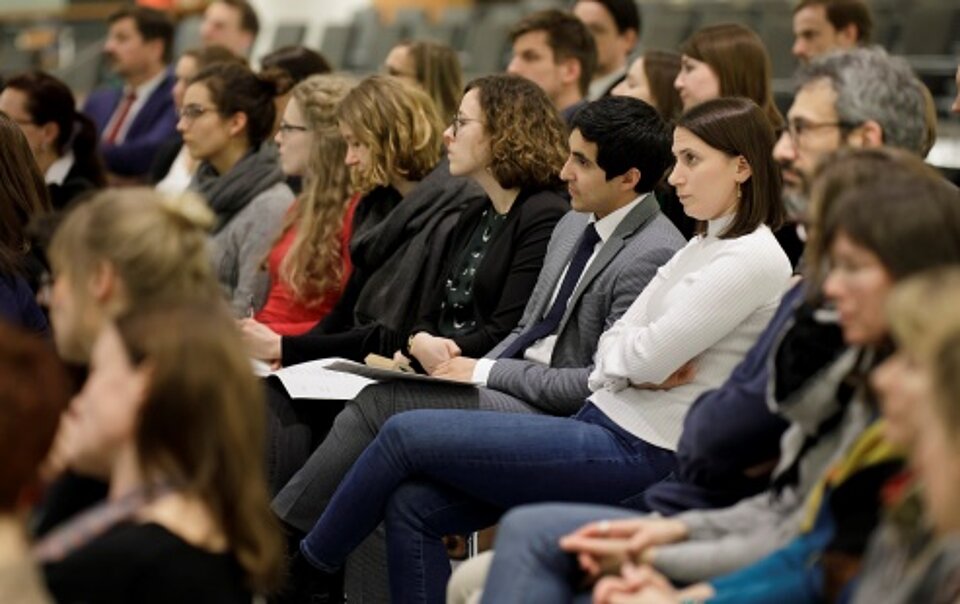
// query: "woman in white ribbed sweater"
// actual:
[[432, 473]]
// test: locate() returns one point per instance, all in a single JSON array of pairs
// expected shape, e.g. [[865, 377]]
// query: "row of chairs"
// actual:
[[915, 28]]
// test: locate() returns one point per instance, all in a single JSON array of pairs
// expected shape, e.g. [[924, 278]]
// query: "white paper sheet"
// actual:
[[311, 380]]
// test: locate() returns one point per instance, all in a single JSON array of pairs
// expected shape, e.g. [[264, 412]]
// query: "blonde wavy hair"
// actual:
[[400, 125], [156, 244], [924, 316], [313, 265], [528, 139]]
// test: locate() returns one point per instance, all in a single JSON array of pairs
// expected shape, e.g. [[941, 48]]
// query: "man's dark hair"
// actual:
[[628, 134], [625, 13], [152, 25], [567, 37], [248, 17], [841, 13]]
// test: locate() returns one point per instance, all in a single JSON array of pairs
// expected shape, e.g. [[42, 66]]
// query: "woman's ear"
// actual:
[[103, 282], [237, 122], [744, 171]]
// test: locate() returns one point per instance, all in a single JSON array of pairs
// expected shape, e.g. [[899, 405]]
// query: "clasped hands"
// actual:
[[440, 357], [616, 555]]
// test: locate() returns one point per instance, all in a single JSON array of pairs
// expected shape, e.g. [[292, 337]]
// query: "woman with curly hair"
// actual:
[[511, 144], [433, 472], [309, 262]]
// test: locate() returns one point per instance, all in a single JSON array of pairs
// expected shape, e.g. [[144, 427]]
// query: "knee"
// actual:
[[532, 527], [406, 506]]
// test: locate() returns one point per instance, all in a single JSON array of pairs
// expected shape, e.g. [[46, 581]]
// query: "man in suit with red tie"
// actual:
[[135, 119]]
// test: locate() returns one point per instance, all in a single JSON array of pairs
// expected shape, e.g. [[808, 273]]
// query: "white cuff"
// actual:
[[481, 371]]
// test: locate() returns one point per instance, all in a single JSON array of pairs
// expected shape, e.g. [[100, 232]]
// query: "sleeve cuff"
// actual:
[[481, 371]]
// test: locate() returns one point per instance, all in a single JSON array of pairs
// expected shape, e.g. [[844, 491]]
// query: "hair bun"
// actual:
[[275, 81], [188, 208]]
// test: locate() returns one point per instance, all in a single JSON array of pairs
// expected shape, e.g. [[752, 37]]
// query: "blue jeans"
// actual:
[[529, 567], [437, 472]]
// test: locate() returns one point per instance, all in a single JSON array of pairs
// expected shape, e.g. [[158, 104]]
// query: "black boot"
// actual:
[[306, 584]]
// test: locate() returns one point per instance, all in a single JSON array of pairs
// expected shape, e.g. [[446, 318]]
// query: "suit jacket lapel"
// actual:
[[633, 222]]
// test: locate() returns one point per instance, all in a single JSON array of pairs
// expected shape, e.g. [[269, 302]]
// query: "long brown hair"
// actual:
[[661, 69], [739, 59], [34, 391], [23, 194], [313, 264], [438, 71], [202, 425]]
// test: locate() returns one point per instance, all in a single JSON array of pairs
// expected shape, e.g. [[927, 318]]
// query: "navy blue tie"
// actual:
[[549, 323]]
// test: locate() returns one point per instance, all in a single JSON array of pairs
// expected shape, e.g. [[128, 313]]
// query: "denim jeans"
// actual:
[[436, 472], [528, 565]]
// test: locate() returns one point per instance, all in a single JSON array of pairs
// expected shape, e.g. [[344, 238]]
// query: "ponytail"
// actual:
[[83, 141]]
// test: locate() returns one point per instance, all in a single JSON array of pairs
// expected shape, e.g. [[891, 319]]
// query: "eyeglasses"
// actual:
[[459, 122], [798, 126], [286, 128], [192, 112]]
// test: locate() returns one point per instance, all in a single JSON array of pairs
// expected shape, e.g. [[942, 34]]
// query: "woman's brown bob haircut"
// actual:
[[528, 139], [738, 127]]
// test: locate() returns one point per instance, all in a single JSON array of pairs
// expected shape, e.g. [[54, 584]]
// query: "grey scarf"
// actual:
[[229, 193]]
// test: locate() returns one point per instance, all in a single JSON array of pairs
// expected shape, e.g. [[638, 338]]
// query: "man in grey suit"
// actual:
[[599, 259]]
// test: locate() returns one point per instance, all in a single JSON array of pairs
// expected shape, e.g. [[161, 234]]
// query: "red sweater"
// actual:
[[282, 312]]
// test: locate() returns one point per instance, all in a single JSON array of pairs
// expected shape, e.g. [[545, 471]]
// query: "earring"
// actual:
[[739, 192]]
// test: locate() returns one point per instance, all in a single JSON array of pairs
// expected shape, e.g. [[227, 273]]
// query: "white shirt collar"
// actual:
[[609, 223], [601, 85], [143, 91], [57, 172]]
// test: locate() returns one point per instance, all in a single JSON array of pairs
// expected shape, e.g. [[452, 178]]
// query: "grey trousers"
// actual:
[[301, 501]]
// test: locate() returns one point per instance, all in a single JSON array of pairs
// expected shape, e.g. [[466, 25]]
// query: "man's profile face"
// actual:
[[814, 35], [533, 59], [612, 46], [812, 134], [222, 25]]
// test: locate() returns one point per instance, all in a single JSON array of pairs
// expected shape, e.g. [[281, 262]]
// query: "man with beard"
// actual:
[[858, 98], [731, 439], [135, 119]]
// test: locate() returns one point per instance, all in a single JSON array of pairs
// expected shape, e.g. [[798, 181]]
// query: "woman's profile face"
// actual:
[[185, 69], [103, 417], [635, 84], [936, 461], [468, 146], [705, 178], [75, 318], [858, 285], [358, 158], [696, 82], [294, 140], [902, 383], [205, 132]]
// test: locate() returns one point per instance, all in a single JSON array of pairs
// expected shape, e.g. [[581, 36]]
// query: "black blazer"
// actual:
[[508, 271], [75, 186]]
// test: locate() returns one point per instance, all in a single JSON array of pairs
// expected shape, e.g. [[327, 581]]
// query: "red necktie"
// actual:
[[122, 110]]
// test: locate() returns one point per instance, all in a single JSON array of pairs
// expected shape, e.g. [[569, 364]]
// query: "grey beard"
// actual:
[[796, 205]]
